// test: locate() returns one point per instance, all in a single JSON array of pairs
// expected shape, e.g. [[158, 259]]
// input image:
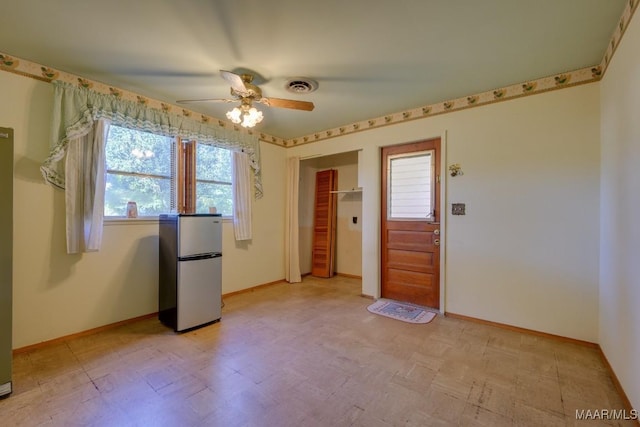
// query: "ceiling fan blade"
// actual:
[[288, 103], [235, 81], [186, 101]]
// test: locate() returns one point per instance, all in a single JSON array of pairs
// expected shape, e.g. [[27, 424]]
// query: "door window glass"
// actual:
[[410, 186]]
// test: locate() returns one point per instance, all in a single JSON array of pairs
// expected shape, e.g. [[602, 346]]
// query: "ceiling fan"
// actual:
[[246, 93]]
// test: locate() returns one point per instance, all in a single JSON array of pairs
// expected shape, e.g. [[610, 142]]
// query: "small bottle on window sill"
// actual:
[[132, 210]]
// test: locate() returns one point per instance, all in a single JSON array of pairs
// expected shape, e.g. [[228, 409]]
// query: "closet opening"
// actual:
[[346, 258]]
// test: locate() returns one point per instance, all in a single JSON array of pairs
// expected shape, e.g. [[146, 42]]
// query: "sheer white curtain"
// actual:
[[241, 196], [84, 188], [292, 251]]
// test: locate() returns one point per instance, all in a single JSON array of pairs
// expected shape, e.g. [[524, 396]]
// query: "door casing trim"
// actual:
[[443, 219]]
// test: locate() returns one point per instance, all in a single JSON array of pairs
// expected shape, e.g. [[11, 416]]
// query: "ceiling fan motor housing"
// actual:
[[251, 91]]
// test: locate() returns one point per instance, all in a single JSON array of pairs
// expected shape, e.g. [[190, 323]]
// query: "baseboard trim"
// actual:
[[524, 330], [616, 383], [350, 276], [120, 323], [116, 324], [253, 288], [82, 334], [625, 400]]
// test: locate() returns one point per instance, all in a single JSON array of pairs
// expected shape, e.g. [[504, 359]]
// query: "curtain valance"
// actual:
[[76, 108]]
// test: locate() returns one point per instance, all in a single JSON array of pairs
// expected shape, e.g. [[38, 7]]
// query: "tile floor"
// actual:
[[309, 354]]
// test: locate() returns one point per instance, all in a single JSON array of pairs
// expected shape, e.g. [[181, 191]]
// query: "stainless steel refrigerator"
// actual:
[[190, 270], [6, 258]]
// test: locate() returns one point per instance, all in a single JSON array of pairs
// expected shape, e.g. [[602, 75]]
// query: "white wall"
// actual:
[[56, 294], [619, 207], [526, 253], [261, 260], [348, 234]]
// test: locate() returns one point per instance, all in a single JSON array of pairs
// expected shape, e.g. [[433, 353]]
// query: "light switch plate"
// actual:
[[457, 209]]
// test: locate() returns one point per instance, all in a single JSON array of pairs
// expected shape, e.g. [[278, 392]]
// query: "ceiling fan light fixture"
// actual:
[[234, 115], [242, 90], [251, 118], [245, 116]]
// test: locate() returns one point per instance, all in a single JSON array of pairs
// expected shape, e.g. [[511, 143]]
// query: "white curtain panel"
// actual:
[[292, 251], [84, 189], [241, 196]]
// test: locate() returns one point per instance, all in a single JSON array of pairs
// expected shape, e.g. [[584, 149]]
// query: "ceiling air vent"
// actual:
[[301, 85]]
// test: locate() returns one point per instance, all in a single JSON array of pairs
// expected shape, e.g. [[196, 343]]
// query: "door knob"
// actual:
[[436, 242], [436, 231]]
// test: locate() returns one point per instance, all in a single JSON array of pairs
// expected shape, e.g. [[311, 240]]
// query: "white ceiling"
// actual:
[[370, 58]]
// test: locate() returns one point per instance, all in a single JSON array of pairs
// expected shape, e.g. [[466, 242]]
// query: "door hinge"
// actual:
[[438, 179]]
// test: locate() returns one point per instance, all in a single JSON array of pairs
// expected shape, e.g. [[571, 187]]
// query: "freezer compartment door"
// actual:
[[199, 235], [199, 291]]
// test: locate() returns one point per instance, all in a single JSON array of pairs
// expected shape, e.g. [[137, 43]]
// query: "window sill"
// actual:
[[121, 220]]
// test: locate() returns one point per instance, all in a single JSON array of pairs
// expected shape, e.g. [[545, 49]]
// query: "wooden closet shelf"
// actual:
[[353, 190]]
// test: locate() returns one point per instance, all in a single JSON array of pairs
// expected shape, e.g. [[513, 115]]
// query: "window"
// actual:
[[140, 168], [144, 167], [213, 179], [410, 181]]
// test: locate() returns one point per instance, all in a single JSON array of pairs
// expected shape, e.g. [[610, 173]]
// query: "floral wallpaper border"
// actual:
[[559, 81], [629, 10], [533, 87], [39, 72]]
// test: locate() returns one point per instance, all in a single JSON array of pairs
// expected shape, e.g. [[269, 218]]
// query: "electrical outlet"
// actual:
[[457, 209]]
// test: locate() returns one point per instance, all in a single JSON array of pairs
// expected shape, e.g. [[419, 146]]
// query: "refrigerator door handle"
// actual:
[[196, 257]]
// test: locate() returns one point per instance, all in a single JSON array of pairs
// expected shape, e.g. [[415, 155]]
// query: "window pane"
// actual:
[[141, 152], [210, 195], [138, 153], [410, 186], [152, 195], [213, 163]]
